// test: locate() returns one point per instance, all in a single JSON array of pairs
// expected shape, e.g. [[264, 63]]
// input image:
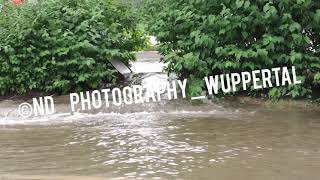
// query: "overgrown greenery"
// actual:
[[201, 38], [64, 45]]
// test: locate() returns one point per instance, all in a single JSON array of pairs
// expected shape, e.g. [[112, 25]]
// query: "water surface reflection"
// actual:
[[237, 144]]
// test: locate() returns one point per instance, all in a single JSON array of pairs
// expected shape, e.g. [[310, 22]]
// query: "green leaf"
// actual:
[[317, 78], [295, 27], [239, 3]]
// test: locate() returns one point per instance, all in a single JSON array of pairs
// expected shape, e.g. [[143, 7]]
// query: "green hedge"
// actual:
[[64, 45], [201, 38]]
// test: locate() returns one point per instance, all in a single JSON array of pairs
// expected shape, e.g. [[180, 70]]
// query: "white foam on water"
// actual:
[[68, 117]]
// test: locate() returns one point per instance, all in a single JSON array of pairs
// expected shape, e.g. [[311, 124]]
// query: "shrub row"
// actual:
[[201, 38], [64, 45]]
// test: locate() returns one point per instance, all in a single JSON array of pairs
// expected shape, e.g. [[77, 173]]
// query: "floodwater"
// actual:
[[166, 140]]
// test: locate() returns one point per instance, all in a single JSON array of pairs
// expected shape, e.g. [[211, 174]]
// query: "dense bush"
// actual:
[[64, 45], [201, 38]]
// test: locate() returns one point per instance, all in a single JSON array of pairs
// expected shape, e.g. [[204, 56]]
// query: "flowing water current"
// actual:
[[166, 140]]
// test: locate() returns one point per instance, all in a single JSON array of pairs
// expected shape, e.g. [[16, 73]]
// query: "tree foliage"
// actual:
[[201, 38], [64, 45]]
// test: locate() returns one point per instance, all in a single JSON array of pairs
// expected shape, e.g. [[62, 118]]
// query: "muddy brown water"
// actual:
[[166, 140], [212, 142]]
